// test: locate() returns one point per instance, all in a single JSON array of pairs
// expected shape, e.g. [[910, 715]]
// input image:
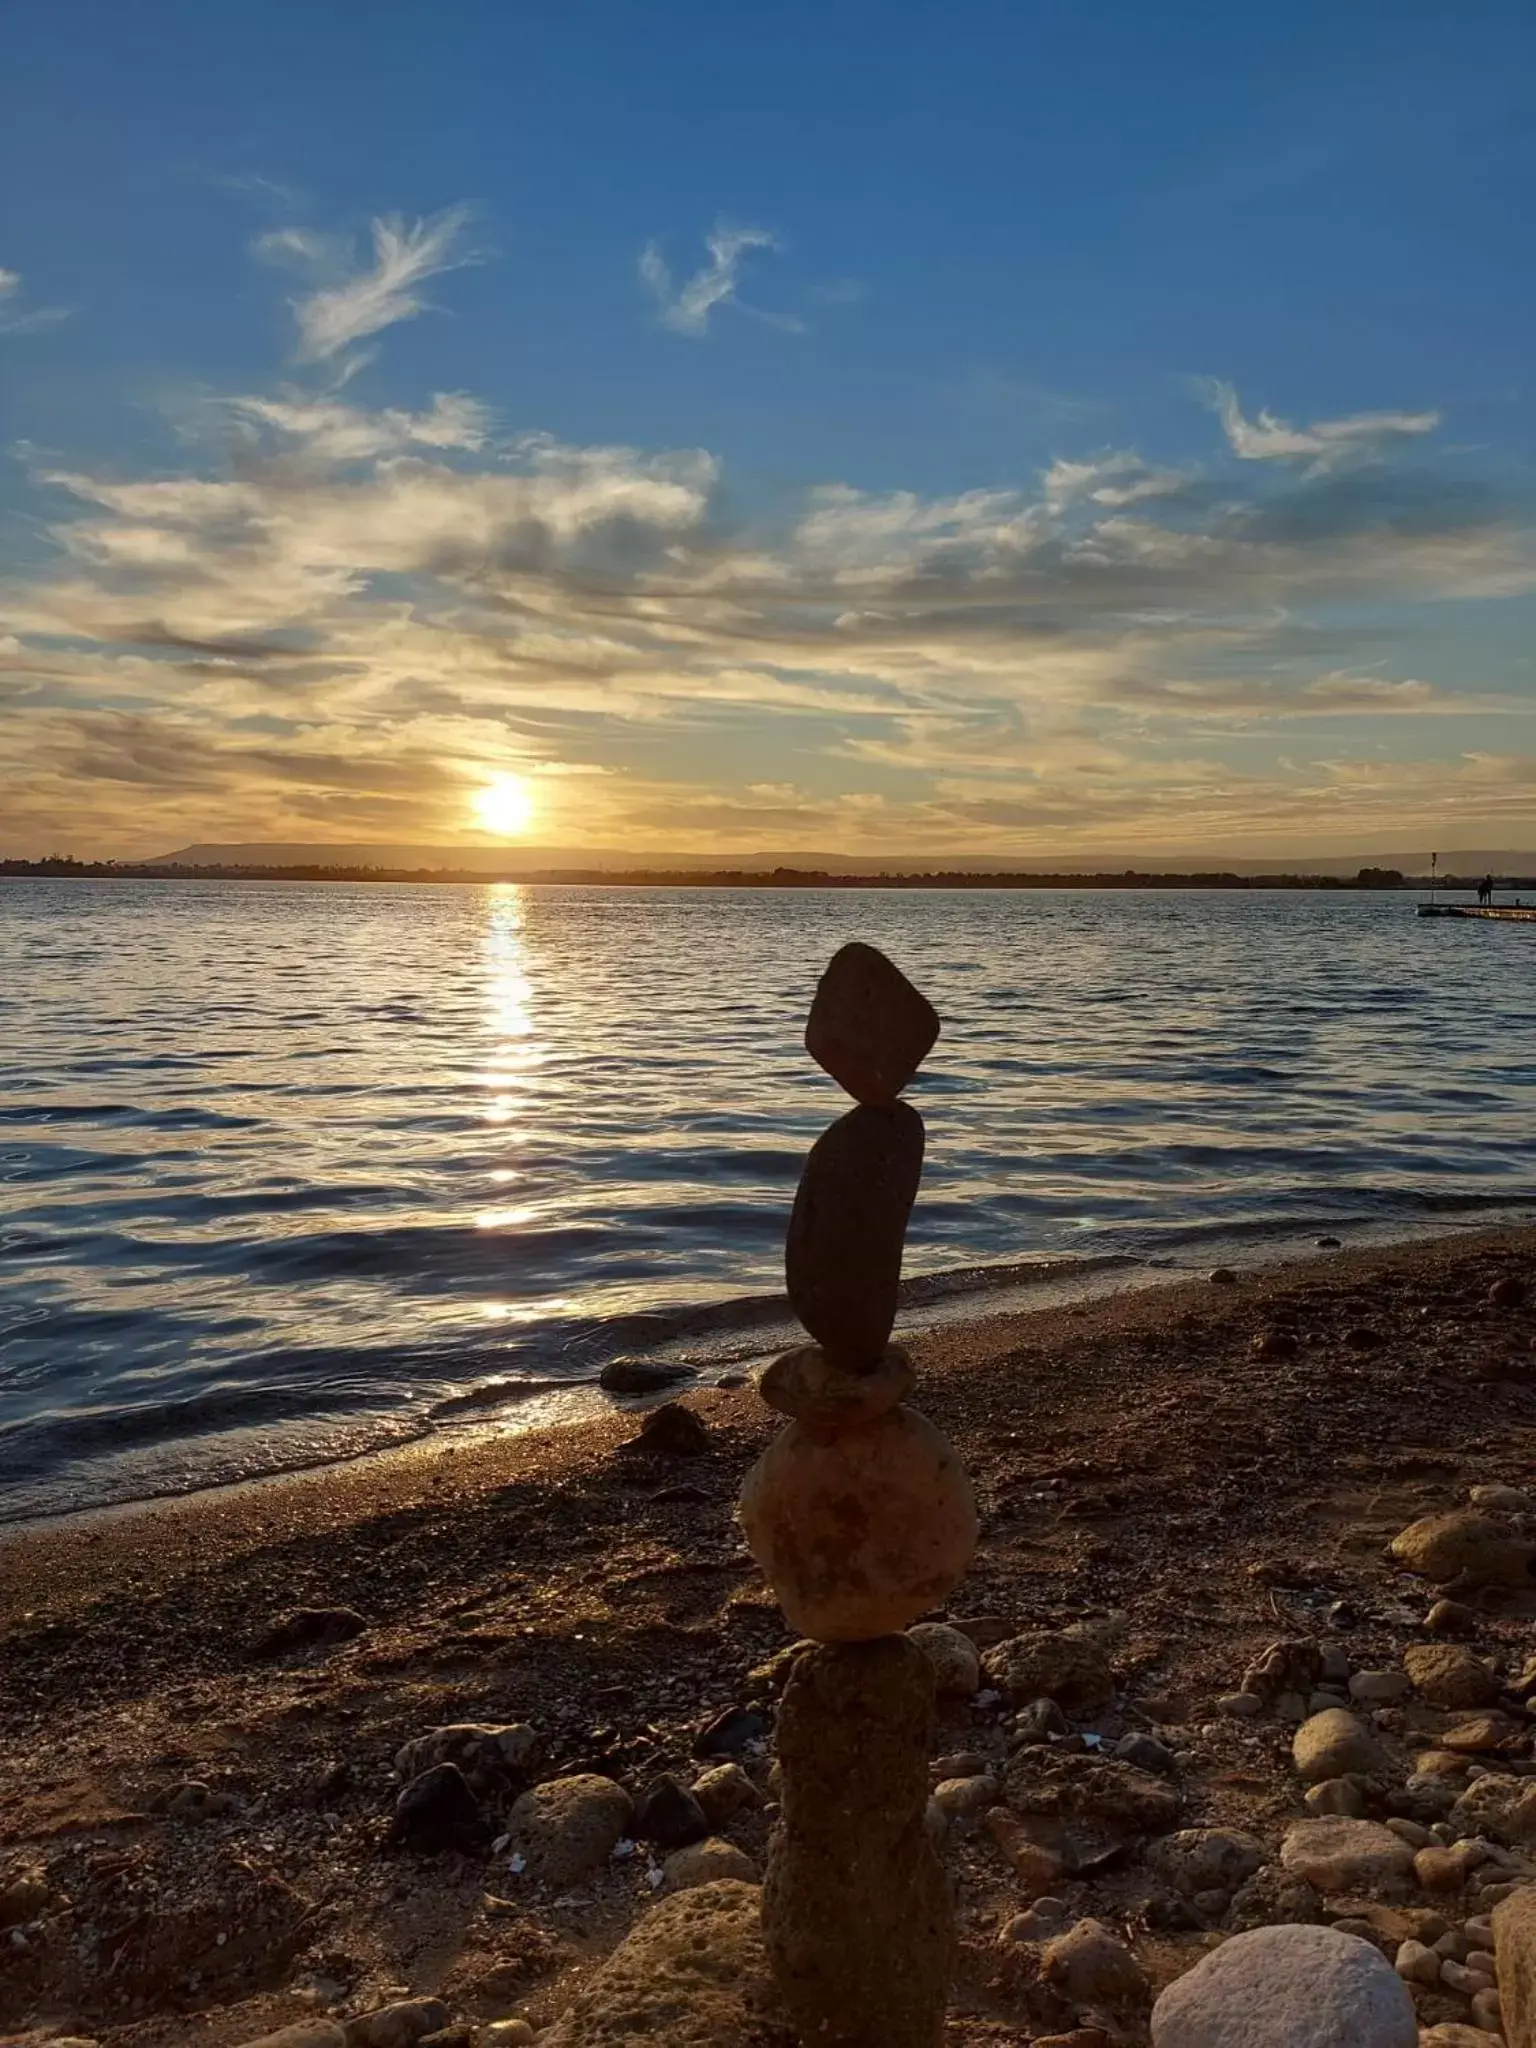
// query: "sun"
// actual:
[[505, 806]]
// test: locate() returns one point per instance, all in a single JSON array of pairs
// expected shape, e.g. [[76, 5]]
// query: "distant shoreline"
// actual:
[[737, 878]]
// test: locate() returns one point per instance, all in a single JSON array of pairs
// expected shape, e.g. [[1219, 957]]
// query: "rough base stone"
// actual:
[[692, 1975], [842, 1253], [1288, 1987], [1514, 1943], [856, 1910]]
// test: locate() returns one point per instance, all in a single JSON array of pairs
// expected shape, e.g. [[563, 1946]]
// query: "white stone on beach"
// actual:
[[1288, 1987]]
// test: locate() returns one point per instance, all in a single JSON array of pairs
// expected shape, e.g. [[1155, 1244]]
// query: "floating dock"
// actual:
[[1493, 913]]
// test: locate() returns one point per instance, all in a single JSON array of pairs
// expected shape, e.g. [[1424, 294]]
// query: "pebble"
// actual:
[[489, 1752], [706, 1863], [1146, 1753], [1488, 2011], [960, 1798], [438, 1812], [1341, 1796], [1336, 1745], [1464, 1545], [1507, 1500], [1287, 1987], [1451, 1618], [397, 2026], [670, 1431], [734, 1731], [724, 1792], [1202, 1859], [670, 1817], [1240, 1706], [1499, 1805], [302, 2034], [1411, 1832], [308, 1628], [1379, 1688], [1035, 1925], [569, 1827], [1069, 1667], [953, 1658], [1092, 1965], [1223, 1276], [1448, 1675], [1036, 1867], [1508, 1291], [868, 1027], [640, 1375], [1417, 1964], [1337, 1855], [1453, 2035], [508, 2034], [1441, 1870], [1039, 1722], [842, 1252]]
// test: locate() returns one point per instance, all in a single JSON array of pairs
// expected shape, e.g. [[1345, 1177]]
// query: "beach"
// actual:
[[1202, 1468]]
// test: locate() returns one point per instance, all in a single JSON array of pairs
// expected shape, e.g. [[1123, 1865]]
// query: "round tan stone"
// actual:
[[813, 1388], [861, 1532]]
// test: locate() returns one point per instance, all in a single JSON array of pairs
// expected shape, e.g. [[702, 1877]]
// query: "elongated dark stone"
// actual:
[[842, 1257]]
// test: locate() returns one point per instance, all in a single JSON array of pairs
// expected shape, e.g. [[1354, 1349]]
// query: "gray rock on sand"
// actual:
[[1334, 1744], [692, 1974], [869, 1028], [1338, 1855], [1288, 1987], [811, 1387], [842, 1253], [856, 1909], [569, 1827]]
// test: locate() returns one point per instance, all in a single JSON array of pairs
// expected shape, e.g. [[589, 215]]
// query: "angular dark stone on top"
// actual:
[[869, 1028], [842, 1257]]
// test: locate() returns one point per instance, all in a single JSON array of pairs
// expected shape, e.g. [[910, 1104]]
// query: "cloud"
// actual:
[[686, 308], [361, 612], [18, 318], [330, 431], [405, 255], [1325, 442]]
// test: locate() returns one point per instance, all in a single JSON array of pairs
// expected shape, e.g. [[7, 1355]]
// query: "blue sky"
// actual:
[[901, 429]]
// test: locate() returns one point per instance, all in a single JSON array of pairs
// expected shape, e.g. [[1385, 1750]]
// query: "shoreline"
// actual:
[[1156, 1455], [949, 1300]]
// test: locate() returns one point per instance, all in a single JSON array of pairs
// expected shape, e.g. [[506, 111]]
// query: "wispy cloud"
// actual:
[[16, 316], [1325, 443], [332, 432], [405, 255], [686, 308]]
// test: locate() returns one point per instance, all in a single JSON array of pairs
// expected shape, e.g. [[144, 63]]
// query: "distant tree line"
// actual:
[[57, 865]]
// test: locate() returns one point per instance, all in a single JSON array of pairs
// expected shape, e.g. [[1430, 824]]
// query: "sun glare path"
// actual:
[[505, 806]]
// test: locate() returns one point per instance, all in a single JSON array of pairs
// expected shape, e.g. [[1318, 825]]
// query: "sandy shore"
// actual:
[[1131, 1454]]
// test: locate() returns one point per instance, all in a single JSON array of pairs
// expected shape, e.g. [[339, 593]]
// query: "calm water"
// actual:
[[290, 1170]]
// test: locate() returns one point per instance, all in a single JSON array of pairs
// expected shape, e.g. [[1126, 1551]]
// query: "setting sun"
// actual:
[[505, 805]]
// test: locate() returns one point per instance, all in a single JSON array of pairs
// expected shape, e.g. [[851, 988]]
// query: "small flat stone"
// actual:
[[1338, 1796], [569, 1827], [640, 1375], [670, 1817], [671, 1431], [1062, 1665], [821, 1392], [707, 1863], [1484, 1734], [1093, 1966], [869, 1028], [438, 1812], [1206, 1859], [1336, 1745], [842, 1252], [399, 2025], [724, 1792]]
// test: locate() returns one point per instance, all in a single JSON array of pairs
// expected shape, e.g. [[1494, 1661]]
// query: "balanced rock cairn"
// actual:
[[862, 1520]]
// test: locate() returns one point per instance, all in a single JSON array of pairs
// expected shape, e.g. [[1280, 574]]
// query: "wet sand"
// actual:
[[1130, 1454]]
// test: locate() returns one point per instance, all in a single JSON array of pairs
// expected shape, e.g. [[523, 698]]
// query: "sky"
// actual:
[[993, 428]]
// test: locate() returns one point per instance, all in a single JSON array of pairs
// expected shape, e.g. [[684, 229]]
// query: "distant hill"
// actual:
[[513, 860]]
